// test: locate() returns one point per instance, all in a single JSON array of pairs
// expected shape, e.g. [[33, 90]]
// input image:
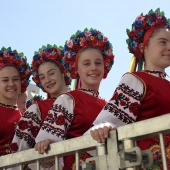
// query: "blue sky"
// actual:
[[26, 25]]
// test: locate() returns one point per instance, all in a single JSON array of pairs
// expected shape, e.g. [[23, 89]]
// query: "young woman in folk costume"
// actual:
[[139, 95], [50, 75], [88, 55], [14, 79]]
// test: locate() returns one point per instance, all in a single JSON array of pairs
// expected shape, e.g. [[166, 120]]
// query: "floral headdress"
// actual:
[[19, 61], [142, 24], [33, 100], [87, 38], [49, 52]]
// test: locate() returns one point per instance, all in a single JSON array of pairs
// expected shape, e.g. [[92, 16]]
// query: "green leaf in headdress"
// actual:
[[163, 13], [86, 29], [35, 52], [49, 46], [40, 49], [151, 11], [127, 41], [92, 29], [3, 49], [9, 49], [55, 46], [61, 47], [78, 32], [127, 31], [133, 26], [158, 10], [168, 20], [43, 47], [21, 54], [111, 46]]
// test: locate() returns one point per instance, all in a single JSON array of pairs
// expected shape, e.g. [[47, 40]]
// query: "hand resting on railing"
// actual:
[[101, 132], [42, 146]]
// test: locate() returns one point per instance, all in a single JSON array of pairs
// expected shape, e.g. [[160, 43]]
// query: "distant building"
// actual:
[[32, 90]]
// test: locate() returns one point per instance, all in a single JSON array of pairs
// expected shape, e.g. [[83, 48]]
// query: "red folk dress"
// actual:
[[10, 116], [29, 125], [28, 128]]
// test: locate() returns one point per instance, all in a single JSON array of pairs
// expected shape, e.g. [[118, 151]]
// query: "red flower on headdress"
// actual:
[[94, 42]]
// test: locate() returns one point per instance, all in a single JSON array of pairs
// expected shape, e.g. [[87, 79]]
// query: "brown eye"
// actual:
[[163, 42], [41, 78], [51, 74], [17, 79], [5, 80], [86, 64]]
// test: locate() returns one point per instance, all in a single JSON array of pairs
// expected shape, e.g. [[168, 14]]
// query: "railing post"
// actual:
[[20, 167], [163, 151], [77, 160], [56, 163], [112, 151], [128, 143], [101, 150], [37, 165], [101, 161]]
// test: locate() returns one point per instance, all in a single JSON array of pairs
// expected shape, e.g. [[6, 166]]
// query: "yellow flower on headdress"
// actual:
[[82, 38], [92, 37]]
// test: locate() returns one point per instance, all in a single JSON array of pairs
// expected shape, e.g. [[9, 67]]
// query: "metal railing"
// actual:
[[119, 152]]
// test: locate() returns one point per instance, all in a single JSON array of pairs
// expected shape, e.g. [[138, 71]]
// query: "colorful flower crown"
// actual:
[[19, 61], [33, 100], [87, 38], [49, 52], [141, 25]]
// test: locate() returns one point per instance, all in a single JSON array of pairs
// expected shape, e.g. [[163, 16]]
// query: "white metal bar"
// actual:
[[112, 149], [56, 163], [59, 148], [37, 165], [77, 160], [144, 128], [163, 151], [101, 150], [135, 144], [20, 167], [128, 144]]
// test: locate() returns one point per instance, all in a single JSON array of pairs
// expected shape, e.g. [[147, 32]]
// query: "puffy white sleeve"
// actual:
[[26, 130], [124, 106], [58, 120]]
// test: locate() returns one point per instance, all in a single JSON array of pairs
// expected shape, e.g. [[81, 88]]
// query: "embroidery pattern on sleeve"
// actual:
[[28, 128], [125, 103], [58, 121]]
